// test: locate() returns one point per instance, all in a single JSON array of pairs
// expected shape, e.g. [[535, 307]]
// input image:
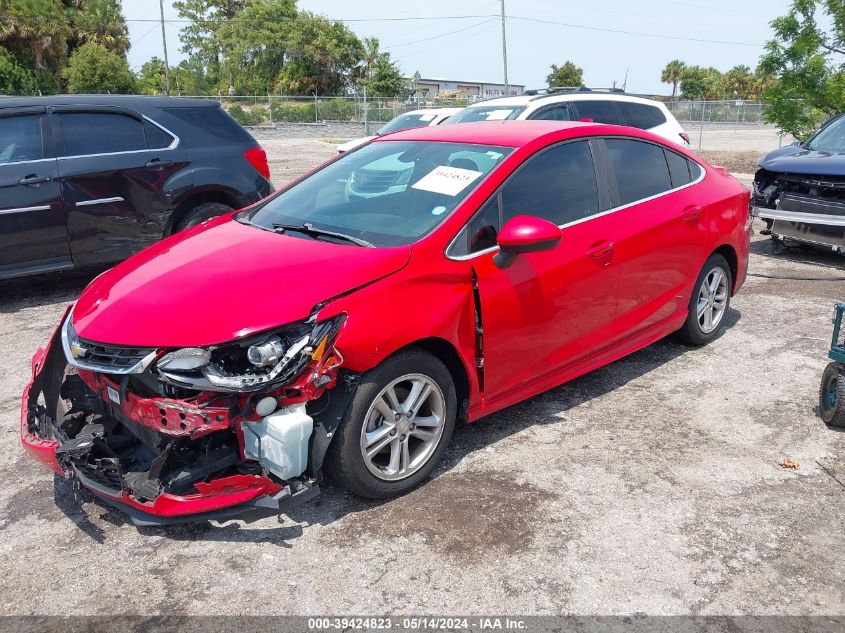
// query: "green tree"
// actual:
[[151, 77], [673, 73], [14, 78], [372, 54], [385, 79], [258, 53], [203, 37], [94, 69], [567, 76], [99, 21], [320, 56], [740, 83], [37, 30], [805, 59], [190, 78], [701, 83]]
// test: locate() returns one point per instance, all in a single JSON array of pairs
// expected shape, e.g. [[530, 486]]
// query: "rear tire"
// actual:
[[388, 441], [710, 301], [201, 213], [832, 395]]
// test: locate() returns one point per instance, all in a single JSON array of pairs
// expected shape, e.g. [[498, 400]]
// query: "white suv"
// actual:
[[576, 104]]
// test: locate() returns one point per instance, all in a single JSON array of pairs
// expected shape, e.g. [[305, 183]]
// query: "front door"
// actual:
[[550, 309], [33, 233]]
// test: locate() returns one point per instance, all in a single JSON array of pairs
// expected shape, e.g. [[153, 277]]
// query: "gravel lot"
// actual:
[[651, 485]]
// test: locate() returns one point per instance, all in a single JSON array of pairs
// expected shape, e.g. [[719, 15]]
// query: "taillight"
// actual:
[[685, 136], [257, 157]]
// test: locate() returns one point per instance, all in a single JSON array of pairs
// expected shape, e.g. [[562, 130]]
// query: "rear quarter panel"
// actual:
[[727, 219]]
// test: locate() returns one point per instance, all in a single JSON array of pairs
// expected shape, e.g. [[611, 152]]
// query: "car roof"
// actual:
[[542, 99], [126, 101], [505, 133]]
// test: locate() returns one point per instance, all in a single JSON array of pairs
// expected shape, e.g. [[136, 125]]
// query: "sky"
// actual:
[[599, 36]]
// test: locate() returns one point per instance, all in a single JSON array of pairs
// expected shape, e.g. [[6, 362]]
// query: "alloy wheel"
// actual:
[[403, 427], [712, 300]]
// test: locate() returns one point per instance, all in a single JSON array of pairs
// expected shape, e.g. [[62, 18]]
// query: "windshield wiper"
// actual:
[[309, 229]]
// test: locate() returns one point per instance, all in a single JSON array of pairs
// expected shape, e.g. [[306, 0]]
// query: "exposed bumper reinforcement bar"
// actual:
[[794, 216]]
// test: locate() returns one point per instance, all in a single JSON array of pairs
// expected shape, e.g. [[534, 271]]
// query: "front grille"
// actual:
[[103, 358], [110, 356], [811, 204], [102, 476]]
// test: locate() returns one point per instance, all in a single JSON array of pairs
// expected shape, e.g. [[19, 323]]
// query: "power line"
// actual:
[[434, 37], [637, 33], [246, 20]]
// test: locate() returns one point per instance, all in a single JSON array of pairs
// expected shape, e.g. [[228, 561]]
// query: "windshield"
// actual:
[[387, 193], [406, 122], [830, 138], [486, 113]]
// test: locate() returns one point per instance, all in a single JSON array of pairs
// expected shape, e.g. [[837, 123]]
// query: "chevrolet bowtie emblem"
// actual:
[[78, 350]]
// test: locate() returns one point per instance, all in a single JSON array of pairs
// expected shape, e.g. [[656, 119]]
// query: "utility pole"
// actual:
[[164, 43], [505, 50]]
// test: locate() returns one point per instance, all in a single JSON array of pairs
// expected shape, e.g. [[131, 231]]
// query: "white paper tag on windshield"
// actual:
[[449, 181], [427, 117]]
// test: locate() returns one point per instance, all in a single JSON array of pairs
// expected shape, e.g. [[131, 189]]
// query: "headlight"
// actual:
[[250, 364]]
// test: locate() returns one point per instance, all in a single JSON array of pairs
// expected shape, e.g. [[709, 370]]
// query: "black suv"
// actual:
[[89, 180]]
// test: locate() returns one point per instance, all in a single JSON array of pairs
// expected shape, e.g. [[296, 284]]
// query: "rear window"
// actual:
[[641, 115], [407, 122], [87, 133], [598, 111], [216, 124]]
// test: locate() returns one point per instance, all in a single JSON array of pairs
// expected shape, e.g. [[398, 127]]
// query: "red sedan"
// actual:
[[346, 323]]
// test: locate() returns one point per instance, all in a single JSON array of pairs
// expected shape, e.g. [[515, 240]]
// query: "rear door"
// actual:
[[660, 229], [33, 234], [113, 165]]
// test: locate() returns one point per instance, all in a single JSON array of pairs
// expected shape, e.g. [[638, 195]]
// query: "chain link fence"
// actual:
[[269, 110], [361, 115]]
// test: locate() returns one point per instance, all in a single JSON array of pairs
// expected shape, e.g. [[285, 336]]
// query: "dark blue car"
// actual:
[[800, 189]]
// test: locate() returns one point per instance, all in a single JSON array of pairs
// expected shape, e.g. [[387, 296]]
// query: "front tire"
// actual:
[[832, 395], [397, 426], [710, 300], [201, 213]]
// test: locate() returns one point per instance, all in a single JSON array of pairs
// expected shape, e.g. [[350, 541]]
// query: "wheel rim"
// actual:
[[830, 392], [403, 427], [712, 300]]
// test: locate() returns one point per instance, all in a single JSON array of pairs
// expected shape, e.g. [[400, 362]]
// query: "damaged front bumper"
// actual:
[[808, 209], [178, 455]]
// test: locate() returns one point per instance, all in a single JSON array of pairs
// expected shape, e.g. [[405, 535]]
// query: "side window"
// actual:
[[598, 111], [20, 138], [558, 185], [100, 133], [554, 113], [641, 115], [679, 169], [156, 137], [484, 227], [640, 168]]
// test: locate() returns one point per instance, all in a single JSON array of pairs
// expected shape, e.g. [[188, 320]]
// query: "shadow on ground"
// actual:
[[88, 512]]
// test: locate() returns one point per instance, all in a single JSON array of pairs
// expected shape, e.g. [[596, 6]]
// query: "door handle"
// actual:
[[601, 251], [691, 213], [34, 179], [157, 163]]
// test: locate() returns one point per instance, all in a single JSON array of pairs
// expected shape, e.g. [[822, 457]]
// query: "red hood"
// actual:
[[214, 284]]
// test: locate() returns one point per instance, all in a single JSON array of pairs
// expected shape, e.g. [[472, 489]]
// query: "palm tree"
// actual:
[[674, 74], [100, 21], [371, 55]]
